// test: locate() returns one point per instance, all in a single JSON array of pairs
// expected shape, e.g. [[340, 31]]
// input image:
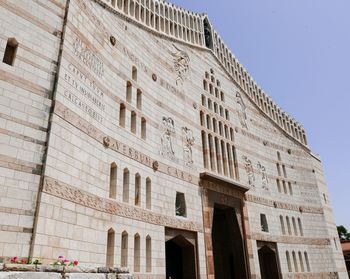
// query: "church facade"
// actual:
[[132, 136]]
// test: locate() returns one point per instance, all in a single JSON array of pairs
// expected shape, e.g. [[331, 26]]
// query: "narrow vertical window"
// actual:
[[282, 225], [296, 269], [122, 115], [288, 262], [137, 190], [113, 181], [205, 150], [133, 122], [134, 73], [148, 193], [235, 163], [231, 134], [148, 254], [278, 156], [284, 171], [126, 178], [180, 205], [128, 91], [290, 188], [143, 128], [307, 262], [124, 250], [263, 223], [218, 155], [208, 122], [230, 160], [139, 99], [202, 118], [300, 227], [288, 226], [284, 187], [203, 101], [301, 262], [278, 169], [227, 115], [278, 185], [294, 226], [110, 248], [137, 253], [211, 153], [10, 51]]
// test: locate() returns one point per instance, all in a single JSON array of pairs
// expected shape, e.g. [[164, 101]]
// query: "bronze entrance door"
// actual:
[[181, 255]]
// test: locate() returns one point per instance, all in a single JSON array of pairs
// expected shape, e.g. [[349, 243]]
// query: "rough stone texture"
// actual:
[[182, 88], [29, 275]]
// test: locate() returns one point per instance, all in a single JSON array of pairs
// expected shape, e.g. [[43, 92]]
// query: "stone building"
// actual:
[[132, 136]]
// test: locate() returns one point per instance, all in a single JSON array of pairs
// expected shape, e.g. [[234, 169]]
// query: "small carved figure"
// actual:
[[250, 171], [168, 130], [188, 141], [242, 115], [264, 179], [181, 65]]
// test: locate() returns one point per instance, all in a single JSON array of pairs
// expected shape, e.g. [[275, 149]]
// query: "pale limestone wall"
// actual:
[[25, 92], [75, 211]]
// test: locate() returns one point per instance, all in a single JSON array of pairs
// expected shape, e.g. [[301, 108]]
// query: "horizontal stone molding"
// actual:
[[20, 165], [18, 211], [15, 229], [283, 205], [64, 191], [290, 239], [312, 275]]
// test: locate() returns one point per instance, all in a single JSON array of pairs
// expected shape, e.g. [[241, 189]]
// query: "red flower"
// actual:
[[75, 262], [24, 261], [14, 260]]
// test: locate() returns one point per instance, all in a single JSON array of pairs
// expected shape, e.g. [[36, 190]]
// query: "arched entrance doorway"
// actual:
[[228, 249], [180, 258], [268, 263]]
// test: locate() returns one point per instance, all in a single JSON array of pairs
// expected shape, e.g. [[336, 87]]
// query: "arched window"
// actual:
[[288, 226], [278, 185], [278, 156], [122, 115], [211, 153], [294, 226], [113, 181], [137, 253], [282, 225], [284, 187], [134, 73], [143, 128], [126, 180], [288, 262], [124, 250], [231, 134], [296, 269], [203, 101], [205, 150], [128, 91], [215, 128], [307, 261], [227, 115], [110, 248], [202, 118], [205, 85], [290, 188], [148, 193], [263, 223], [133, 122], [301, 261], [139, 99], [148, 254], [10, 51], [300, 227], [137, 189], [208, 122]]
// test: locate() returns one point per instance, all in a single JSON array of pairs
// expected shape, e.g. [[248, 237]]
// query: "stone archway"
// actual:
[[180, 254], [268, 262]]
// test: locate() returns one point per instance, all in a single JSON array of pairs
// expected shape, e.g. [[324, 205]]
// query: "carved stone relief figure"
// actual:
[[242, 115], [166, 141], [181, 65], [264, 179], [188, 141], [250, 171]]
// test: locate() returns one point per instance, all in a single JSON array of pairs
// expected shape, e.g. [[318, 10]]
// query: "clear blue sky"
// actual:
[[298, 52]]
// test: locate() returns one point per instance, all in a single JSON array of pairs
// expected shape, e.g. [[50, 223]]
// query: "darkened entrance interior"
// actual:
[[268, 263], [228, 249], [180, 258]]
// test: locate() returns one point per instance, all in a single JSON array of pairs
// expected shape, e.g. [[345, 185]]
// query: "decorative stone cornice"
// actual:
[[67, 192]]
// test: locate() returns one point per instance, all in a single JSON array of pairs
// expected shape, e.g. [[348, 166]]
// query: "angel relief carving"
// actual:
[[168, 127], [188, 141], [242, 115], [264, 179], [181, 65], [250, 171]]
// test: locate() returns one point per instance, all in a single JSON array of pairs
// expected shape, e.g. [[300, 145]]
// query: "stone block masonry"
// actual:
[[131, 136]]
